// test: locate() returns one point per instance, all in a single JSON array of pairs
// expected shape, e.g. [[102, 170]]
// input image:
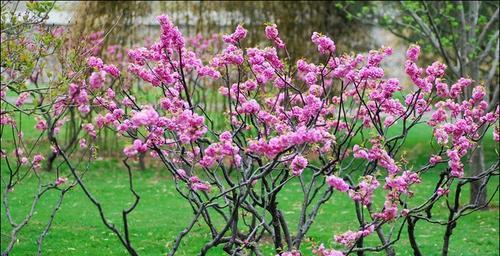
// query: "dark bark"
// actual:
[[411, 236]]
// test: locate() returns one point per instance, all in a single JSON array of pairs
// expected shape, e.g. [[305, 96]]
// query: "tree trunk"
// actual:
[[142, 162], [476, 165], [50, 161]]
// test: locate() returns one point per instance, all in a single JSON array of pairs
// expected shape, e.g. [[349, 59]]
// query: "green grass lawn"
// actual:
[[162, 214]]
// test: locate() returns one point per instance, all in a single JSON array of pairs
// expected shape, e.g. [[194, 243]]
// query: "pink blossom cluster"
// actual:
[[298, 164], [37, 159], [137, 147], [350, 237], [363, 192], [280, 143], [273, 34], [325, 44], [199, 185], [322, 251], [22, 99], [239, 34], [217, 151], [377, 153], [337, 183]]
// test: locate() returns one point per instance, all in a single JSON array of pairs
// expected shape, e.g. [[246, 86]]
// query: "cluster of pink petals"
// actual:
[[273, 34], [137, 147], [363, 193], [337, 183], [325, 44], [350, 237], [322, 251], [402, 183], [41, 124], [389, 212], [171, 37], [279, 143], [298, 164], [22, 99], [217, 151], [231, 55], [95, 62], [250, 107], [239, 34], [37, 159], [60, 180], [89, 128], [198, 185], [377, 153]]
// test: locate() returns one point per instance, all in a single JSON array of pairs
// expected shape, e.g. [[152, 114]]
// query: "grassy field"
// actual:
[[162, 214]]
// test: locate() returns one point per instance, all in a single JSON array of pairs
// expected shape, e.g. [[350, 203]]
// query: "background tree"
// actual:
[[463, 34], [297, 20], [123, 16]]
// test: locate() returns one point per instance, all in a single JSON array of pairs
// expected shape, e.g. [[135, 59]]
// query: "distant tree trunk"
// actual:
[[476, 165], [142, 162]]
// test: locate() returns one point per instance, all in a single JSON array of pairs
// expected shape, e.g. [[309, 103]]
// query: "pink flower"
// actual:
[[337, 183], [180, 173], [36, 161], [271, 31], [299, 163], [198, 185], [359, 153], [83, 143], [455, 164], [389, 212], [364, 191], [96, 79], [147, 116], [171, 36], [401, 184], [349, 238], [441, 136], [434, 159], [442, 191], [250, 107], [325, 44], [321, 251], [112, 70], [413, 53], [41, 124], [442, 89], [272, 34], [22, 99], [89, 128], [95, 62], [435, 70], [60, 180], [239, 34], [456, 88], [230, 55]]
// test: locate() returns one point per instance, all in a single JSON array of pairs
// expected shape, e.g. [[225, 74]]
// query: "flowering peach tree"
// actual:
[[333, 127]]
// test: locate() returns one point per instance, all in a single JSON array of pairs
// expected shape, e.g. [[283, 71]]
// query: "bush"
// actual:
[[336, 126]]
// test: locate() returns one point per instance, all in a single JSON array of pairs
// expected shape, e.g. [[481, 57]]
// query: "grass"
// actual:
[[162, 214]]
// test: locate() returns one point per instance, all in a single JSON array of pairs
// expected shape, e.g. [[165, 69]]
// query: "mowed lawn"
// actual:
[[162, 214]]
